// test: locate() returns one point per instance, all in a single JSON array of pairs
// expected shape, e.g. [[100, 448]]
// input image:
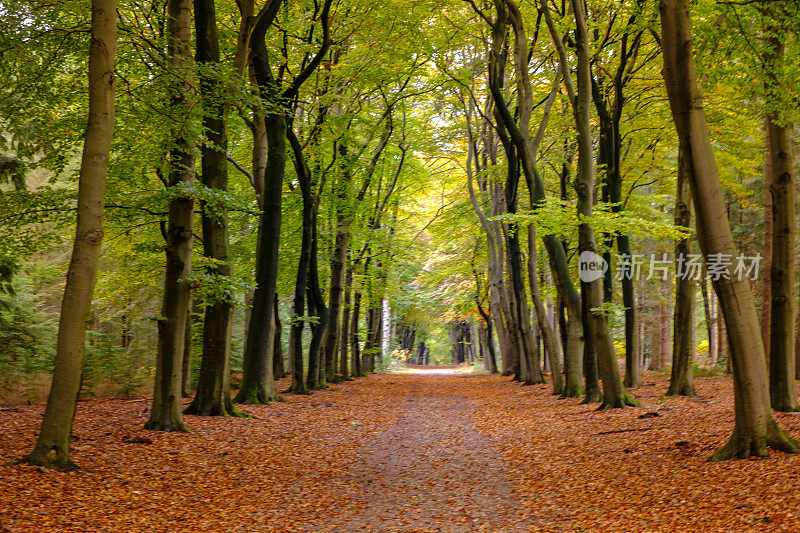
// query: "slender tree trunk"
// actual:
[[548, 335], [386, 330], [766, 261], [333, 332], [316, 370], [166, 411], [355, 344], [257, 385], [711, 321], [52, 445], [344, 333], [188, 354], [278, 366], [372, 341], [681, 381], [213, 387], [614, 394], [487, 340], [633, 352], [783, 393], [755, 427]]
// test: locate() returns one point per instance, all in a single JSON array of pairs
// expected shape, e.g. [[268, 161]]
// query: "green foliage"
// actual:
[[27, 329]]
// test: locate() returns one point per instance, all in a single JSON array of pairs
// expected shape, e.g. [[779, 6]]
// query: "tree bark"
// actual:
[[782, 389], [278, 365], [341, 246], [766, 261], [257, 386], [188, 355], [166, 411], [681, 380], [614, 394], [589, 356], [548, 335], [344, 334], [213, 387], [52, 445], [316, 306], [755, 428], [355, 343]]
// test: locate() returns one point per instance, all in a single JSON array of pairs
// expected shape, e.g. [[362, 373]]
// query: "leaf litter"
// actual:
[[406, 453]]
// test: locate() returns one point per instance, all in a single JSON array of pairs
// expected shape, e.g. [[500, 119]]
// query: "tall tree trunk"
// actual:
[[386, 330], [166, 412], [355, 343], [711, 321], [681, 381], [755, 427], [257, 386], [52, 445], [316, 303], [633, 352], [213, 387], [372, 343], [766, 261], [783, 311], [614, 394], [188, 354], [548, 335], [487, 340], [589, 355], [344, 332], [333, 336], [278, 366]]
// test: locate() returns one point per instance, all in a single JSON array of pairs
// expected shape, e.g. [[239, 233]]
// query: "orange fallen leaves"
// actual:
[[496, 457]]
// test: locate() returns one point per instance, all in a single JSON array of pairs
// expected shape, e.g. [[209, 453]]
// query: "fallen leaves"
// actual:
[[406, 453]]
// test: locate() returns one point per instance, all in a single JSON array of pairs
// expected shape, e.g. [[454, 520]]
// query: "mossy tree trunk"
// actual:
[[52, 445]]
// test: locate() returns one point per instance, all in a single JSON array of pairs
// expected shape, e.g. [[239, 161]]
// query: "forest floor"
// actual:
[[406, 452]]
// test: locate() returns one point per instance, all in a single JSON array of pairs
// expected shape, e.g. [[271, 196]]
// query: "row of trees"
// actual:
[[294, 76], [353, 218], [604, 64]]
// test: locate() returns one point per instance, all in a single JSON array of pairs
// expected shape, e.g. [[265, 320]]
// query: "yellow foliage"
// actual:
[[702, 347]]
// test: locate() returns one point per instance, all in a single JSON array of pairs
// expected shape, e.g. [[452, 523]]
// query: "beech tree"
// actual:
[[614, 394], [213, 388], [52, 448], [681, 380], [166, 412], [755, 428]]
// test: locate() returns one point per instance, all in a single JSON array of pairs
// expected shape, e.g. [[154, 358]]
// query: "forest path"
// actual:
[[431, 470], [410, 453]]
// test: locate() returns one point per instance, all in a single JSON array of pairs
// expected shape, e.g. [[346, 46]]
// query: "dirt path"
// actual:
[[431, 470], [406, 453]]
